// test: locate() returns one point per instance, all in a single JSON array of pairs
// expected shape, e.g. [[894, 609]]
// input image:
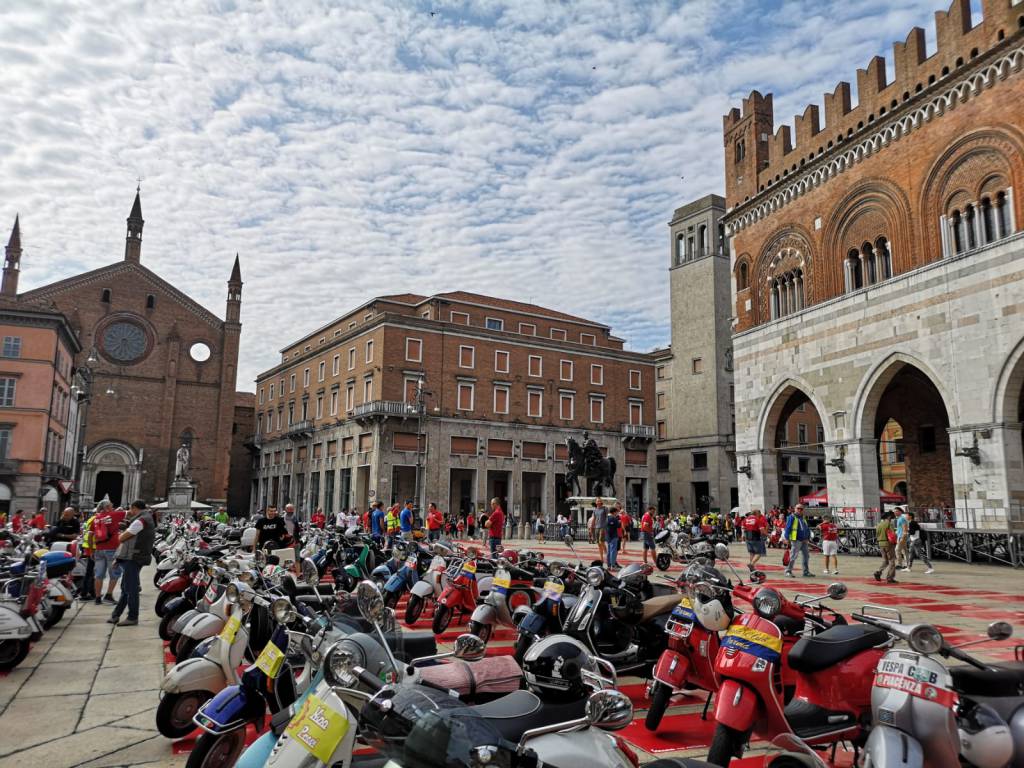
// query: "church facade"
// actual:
[[161, 372]]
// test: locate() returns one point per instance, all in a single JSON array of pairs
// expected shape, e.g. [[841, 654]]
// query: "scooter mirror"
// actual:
[[1000, 630], [469, 647], [609, 710], [758, 577], [837, 590], [388, 623], [370, 602], [722, 551], [310, 575]]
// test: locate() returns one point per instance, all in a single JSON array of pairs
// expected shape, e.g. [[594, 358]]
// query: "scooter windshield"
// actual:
[[426, 728]]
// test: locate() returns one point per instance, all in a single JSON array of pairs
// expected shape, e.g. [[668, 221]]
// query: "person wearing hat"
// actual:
[[755, 527]]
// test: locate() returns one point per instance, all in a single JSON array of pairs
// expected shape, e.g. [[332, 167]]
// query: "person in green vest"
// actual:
[[221, 515]]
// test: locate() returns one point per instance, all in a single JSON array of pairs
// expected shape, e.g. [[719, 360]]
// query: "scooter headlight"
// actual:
[[924, 638], [282, 610], [595, 576], [767, 603], [232, 593], [338, 666]]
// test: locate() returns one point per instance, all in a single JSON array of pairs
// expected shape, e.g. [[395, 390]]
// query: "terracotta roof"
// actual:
[[518, 306], [403, 298]]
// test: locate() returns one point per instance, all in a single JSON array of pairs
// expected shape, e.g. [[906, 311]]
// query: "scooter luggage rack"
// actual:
[[678, 629], [885, 612]]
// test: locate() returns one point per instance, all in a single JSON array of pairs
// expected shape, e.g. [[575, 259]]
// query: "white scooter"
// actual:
[[19, 627], [195, 679], [207, 620]]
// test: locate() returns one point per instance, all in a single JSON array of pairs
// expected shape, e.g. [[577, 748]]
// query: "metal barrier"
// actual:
[[966, 545]]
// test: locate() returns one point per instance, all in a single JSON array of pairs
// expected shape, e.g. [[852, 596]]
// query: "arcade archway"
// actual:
[[797, 435]]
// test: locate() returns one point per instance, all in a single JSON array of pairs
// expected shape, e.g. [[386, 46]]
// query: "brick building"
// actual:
[[503, 384], [39, 409], [877, 271], [162, 373], [696, 468]]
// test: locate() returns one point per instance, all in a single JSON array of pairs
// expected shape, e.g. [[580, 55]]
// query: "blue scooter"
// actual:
[[407, 575]]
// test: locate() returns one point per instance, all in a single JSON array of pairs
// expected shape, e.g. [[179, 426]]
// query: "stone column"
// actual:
[[985, 491], [799, 292], [761, 489], [859, 483]]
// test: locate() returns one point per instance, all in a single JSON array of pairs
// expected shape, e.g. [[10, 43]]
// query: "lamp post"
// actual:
[[419, 406], [84, 392]]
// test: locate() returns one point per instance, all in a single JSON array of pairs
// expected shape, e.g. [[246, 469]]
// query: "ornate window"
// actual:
[[785, 276], [867, 265], [787, 293]]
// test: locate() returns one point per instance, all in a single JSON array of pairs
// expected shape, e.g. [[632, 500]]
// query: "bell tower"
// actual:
[[133, 241], [12, 262]]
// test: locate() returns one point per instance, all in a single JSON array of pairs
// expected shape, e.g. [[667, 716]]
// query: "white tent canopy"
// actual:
[[193, 505]]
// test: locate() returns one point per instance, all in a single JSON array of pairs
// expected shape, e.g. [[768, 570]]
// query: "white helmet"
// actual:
[[985, 738], [708, 607]]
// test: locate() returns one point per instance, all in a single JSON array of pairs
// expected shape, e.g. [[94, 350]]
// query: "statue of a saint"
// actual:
[[181, 463]]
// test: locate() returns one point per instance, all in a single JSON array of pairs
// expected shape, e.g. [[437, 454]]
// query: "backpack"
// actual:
[[100, 530]]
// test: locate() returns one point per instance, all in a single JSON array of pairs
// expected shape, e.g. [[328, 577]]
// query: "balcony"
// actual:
[[9, 466], [384, 409], [252, 441], [638, 430], [299, 430], [55, 470]]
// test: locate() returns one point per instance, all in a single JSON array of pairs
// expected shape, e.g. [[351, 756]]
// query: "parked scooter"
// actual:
[[19, 626], [512, 588], [460, 595], [926, 715], [431, 585]]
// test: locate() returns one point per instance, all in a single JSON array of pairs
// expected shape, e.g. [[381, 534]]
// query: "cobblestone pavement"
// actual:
[[87, 693]]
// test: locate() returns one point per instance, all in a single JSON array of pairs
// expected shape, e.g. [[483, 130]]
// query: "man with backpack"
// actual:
[[106, 525]]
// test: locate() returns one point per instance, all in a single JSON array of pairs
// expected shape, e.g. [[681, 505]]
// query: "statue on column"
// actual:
[[181, 463]]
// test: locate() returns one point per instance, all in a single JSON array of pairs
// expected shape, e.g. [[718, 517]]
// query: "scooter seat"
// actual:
[[659, 605], [788, 625], [817, 652], [520, 711], [1005, 679]]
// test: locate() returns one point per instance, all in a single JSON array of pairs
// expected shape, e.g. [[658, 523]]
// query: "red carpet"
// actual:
[[675, 732]]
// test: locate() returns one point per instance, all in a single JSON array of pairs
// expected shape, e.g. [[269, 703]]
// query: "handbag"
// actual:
[[890, 534], [786, 556]]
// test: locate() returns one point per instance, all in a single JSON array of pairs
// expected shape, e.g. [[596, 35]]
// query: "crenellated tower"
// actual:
[[746, 145]]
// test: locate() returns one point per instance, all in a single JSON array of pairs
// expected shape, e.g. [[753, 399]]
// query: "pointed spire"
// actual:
[[236, 271], [15, 241], [234, 307], [137, 205]]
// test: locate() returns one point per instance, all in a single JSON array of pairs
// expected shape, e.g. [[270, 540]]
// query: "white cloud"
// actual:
[[525, 149]]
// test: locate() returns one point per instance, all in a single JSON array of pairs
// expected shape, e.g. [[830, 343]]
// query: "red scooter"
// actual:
[[460, 595], [833, 672]]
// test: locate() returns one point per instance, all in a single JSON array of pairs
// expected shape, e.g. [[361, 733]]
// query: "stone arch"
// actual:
[[1009, 385], [872, 209], [874, 384], [112, 457], [965, 169], [789, 248], [773, 406], [742, 272]]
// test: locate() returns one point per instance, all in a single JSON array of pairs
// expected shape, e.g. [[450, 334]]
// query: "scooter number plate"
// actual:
[[553, 591], [318, 728], [231, 627], [270, 660]]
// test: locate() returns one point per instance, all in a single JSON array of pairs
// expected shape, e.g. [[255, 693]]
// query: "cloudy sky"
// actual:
[[531, 149]]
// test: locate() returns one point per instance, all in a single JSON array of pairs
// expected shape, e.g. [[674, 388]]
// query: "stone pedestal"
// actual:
[[179, 497]]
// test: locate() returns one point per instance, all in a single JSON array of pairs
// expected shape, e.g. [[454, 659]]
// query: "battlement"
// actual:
[[782, 150]]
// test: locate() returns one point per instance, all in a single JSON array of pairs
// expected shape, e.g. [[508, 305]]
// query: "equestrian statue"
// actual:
[[588, 462]]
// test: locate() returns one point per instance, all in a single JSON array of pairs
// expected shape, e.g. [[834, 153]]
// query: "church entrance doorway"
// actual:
[[109, 484]]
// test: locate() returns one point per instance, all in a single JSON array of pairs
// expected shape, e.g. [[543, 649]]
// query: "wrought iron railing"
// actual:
[[386, 408], [638, 430]]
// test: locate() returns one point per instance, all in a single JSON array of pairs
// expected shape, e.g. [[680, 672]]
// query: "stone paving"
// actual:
[[87, 692]]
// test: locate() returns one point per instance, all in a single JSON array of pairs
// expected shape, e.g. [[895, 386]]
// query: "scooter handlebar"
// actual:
[[368, 679]]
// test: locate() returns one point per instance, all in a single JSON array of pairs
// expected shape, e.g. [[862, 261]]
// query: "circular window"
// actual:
[[124, 341], [200, 352]]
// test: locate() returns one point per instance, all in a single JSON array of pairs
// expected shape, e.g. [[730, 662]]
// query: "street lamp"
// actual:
[[419, 406]]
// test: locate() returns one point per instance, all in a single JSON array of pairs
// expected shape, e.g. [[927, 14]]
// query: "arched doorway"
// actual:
[[904, 401], [111, 470], [798, 441], [891, 459]]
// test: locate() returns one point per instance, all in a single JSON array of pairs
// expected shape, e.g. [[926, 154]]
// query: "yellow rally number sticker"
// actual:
[[270, 660], [227, 634], [502, 581], [318, 728]]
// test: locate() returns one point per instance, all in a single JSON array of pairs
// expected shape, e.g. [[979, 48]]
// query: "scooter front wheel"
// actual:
[[390, 599], [217, 751], [175, 711], [161, 602], [660, 696], [184, 646], [442, 618], [483, 631], [413, 609], [12, 653], [165, 630], [663, 560], [726, 744], [53, 616]]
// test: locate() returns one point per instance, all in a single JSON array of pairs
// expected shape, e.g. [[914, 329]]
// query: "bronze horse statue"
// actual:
[[586, 461]]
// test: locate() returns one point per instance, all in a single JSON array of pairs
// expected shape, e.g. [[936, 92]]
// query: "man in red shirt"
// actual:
[[17, 521], [755, 527], [830, 544], [496, 523], [647, 531], [106, 526], [435, 521], [39, 521], [318, 519]]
